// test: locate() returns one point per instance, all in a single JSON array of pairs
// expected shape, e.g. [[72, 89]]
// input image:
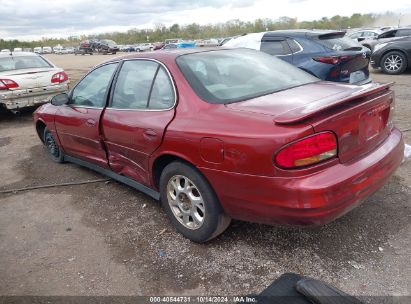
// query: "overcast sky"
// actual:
[[27, 19]]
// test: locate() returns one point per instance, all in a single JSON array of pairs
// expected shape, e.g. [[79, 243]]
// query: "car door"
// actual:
[[77, 123], [277, 46], [140, 108]]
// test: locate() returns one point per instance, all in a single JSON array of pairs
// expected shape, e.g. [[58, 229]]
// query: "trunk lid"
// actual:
[[31, 78], [360, 116]]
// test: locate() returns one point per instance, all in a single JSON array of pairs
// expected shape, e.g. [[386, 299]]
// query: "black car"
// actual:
[[106, 46], [392, 57]]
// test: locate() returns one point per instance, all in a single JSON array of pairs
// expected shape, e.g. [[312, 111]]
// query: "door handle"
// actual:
[[90, 122], [150, 134]]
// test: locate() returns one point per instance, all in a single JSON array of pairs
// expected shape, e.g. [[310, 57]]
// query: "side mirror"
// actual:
[[60, 99], [361, 39]]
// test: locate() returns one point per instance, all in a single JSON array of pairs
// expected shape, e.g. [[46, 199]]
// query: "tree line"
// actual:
[[160, 32]]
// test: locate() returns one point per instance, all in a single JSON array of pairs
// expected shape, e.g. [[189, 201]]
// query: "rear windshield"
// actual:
[[22, 62], [340, 43], [227, 76]]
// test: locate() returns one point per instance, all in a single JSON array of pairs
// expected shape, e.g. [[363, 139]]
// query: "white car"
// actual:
[[5, 51], [144, 47], [28, 79], [38, 50], [47, 50], [17, 50]]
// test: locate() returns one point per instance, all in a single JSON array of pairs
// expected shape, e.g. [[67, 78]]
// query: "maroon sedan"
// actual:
[[221, 134]]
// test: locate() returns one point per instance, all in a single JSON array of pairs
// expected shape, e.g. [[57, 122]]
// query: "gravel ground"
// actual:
[[108, 239]]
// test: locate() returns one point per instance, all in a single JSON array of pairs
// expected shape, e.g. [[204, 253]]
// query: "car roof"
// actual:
[[17, 54]]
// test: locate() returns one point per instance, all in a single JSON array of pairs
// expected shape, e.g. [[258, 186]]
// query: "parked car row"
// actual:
[[391, 48], [328, 55]]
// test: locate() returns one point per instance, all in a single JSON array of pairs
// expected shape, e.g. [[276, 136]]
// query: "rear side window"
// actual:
[[22, 62], [143, 84], [402, 33], [294, 45], [339, 43], [227, 76], [274, 47], [389, 34]]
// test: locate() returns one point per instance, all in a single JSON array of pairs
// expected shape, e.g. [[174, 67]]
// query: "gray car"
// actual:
[[387, 36]]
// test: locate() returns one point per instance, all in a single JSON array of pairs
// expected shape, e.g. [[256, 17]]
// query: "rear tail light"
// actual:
[[6, 84], [307, 151], [59, 77], [333, 59]]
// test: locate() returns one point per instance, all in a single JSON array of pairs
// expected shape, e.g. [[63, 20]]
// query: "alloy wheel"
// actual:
[[393, 63], [186, 202]]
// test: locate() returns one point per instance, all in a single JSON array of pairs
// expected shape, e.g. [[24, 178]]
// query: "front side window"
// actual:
[[91, 90], [142, 84], [227, 76]]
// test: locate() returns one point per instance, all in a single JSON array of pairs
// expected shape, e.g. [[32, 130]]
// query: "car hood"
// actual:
[[305, 97]]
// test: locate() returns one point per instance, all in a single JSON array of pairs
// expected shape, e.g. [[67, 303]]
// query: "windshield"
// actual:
[[227, 76], [22, 62]]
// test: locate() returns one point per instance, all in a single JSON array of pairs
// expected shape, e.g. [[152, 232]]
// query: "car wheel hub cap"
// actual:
[[393, 63], [186, 202]]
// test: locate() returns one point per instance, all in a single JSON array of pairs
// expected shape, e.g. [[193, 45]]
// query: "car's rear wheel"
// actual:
[[394, 63], [52, 146], [190, 203]]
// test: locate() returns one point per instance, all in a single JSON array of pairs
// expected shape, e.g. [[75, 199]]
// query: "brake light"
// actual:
[[308, 151], [6, 84], [59, 77], [333, 59]]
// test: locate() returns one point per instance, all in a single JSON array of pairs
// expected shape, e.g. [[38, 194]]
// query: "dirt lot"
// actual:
[[108, 239]]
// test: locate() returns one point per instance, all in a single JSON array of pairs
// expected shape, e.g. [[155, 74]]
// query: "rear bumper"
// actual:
[[18, 99], [315, 199]]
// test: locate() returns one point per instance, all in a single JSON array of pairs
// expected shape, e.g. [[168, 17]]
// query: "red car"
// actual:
[[219, 134]]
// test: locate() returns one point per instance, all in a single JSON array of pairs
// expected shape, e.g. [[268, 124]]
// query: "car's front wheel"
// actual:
[[190, 203], [394, 63], [52, 147]]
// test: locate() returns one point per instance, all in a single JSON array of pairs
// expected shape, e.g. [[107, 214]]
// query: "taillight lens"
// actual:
[[307, 151], [6, 84], [59, 77], [333, 59]]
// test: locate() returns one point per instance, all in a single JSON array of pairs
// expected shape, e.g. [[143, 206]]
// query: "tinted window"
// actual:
[[226, 76], [92, 89], [22, 62], [389, 34], [275, 47], [402, 33], [143, 84], [133, 84], [294, 46], [339, 43]]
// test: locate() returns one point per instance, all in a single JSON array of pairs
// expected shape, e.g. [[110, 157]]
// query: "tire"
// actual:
[[52, 147], [210, 218], [394, 63]]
